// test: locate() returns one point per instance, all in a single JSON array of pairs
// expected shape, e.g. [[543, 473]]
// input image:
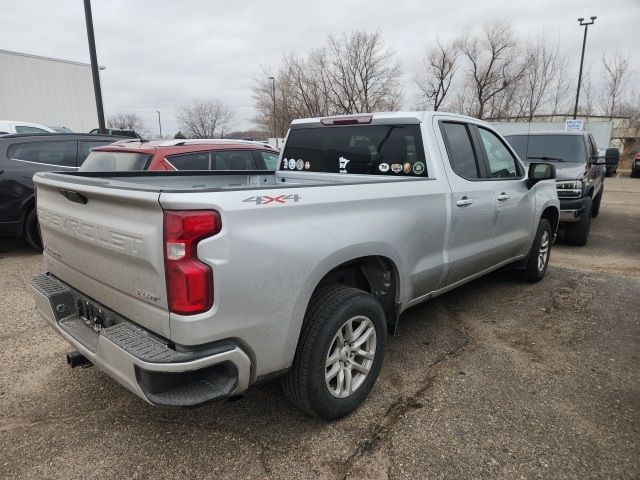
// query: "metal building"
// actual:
[[48, 91]]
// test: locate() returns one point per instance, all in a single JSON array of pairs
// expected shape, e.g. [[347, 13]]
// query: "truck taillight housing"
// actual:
[[189, 281]]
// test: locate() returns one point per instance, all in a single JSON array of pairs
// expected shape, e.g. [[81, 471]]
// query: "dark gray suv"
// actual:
[[21, 156]]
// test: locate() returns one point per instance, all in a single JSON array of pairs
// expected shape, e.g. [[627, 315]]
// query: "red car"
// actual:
[[133, 155]]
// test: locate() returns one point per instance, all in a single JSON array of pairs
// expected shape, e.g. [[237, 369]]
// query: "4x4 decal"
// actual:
[[266, 199]]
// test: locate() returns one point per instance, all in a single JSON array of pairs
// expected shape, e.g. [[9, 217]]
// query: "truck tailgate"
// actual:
[[107, 243]]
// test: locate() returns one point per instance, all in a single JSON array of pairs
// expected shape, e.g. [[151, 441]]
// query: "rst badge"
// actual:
[[273, 200]]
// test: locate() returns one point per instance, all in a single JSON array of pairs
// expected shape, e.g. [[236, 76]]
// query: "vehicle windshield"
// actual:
[[566, 148], [99, 161], [394, 150]]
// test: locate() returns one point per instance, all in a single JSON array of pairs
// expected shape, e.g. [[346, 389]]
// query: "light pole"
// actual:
[[159, 123], [94, 65], [584, 43], [273, 89]]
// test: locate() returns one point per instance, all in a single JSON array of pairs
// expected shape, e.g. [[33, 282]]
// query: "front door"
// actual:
[[515, 202], [473, 203]]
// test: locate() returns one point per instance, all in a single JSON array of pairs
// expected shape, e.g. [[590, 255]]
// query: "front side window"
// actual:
[[460, 149], [62, 153], [502, 164], [360, 149], [28, 129], [233, 160]]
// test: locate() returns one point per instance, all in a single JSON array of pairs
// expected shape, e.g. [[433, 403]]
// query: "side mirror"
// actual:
[[611, 157], [539, 172]]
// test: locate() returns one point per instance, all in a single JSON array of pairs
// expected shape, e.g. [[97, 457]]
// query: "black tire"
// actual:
[[595, 207], [577, 233], [532, 272], [32, 230], [330, 308]]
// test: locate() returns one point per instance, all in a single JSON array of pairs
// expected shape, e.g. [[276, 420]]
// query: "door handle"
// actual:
[[502, 197], [464, 201]]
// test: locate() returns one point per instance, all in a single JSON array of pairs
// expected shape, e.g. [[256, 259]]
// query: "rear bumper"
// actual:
[[139, 360], [571, 209]]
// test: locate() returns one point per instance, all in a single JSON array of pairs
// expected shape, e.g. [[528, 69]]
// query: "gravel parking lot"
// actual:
[[498, 379]]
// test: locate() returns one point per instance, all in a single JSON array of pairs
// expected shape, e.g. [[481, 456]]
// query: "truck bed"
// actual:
[[213, 181]]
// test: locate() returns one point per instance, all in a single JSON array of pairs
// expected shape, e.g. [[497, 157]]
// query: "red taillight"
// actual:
[[189, 281]]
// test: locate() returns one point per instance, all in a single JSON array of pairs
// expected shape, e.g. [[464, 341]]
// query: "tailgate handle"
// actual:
[[73, 196]]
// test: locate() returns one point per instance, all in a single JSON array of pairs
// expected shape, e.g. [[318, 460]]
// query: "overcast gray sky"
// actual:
[[162, 53]]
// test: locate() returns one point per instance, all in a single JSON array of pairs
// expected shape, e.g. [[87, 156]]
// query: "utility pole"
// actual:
[[94, 65], [584, 43], [159, 123], [273, 88]]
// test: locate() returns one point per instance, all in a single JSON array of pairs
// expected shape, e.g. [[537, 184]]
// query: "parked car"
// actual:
[[182, 155], [22, 155], [188, 287], [580, 174], [12, 126], [116, 131], [635, 166]]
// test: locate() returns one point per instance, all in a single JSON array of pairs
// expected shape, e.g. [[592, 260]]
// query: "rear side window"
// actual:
[[85, 148], [360, 149], [62, 153], [233, 160], [98, 161], [270, 159], [214, 160], [191, 161], [460, 149]]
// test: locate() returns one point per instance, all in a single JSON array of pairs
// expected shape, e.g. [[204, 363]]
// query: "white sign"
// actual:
[[574, 125]]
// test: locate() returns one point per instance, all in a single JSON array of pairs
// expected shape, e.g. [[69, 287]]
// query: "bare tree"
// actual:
[[363, 76], [495, 64], [561, 86], [544, 60], [615, 76], [205, 119], [439, 68], [125, 121], [351, 74]]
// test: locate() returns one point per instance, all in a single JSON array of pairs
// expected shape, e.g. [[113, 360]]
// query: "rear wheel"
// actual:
[[577, 233], [339, 353], [32, 229], [538, 259]]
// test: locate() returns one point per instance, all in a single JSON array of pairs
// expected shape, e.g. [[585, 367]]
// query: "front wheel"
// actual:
[[538, 259], [577, 233], [339, 353]]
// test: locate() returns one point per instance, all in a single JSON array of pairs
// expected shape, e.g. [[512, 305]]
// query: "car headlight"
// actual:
[[571, 185]]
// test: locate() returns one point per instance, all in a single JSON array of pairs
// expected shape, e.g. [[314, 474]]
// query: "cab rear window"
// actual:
[[394, 150]]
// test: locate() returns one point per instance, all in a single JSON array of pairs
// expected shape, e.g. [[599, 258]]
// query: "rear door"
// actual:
[[106, 241], [515, 202], [471, 237]]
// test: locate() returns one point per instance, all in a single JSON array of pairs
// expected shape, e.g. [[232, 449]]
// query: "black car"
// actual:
[[580, 173], [21, 156]]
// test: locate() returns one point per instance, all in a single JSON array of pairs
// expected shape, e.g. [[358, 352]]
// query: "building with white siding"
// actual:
[[48, 91]]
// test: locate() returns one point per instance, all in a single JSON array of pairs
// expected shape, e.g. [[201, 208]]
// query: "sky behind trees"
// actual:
[[162, 54]]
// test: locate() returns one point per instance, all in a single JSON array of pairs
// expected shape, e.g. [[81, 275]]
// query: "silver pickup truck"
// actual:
[[187, 287]]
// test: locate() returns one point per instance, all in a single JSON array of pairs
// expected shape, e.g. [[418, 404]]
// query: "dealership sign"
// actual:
[[574, 125]]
